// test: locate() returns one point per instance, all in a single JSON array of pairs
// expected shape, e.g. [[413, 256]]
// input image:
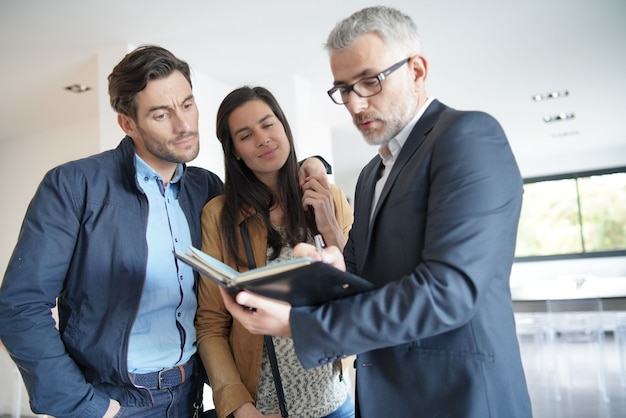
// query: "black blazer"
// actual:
[[437, 338]]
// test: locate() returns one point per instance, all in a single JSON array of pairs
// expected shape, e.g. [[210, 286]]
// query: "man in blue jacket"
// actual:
[[435, 224], [98, 235]]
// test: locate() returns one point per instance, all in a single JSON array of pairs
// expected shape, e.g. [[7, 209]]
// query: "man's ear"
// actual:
[[126, 123], [419, 65]]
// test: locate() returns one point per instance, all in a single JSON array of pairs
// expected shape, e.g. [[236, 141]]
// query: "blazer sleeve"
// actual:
[[470, 198], [213, 324]]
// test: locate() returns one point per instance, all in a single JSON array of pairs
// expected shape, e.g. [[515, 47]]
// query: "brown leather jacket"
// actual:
[[230, 354]]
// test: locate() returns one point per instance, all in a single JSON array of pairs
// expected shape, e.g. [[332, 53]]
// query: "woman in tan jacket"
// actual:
[[262, 190]]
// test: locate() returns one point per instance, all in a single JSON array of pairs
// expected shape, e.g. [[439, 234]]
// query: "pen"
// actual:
[[319, 243]]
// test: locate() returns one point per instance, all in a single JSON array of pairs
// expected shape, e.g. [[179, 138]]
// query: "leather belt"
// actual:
[[165, 378]]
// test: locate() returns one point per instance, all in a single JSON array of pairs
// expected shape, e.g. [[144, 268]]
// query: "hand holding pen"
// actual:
[[319, 244], [331, 255]]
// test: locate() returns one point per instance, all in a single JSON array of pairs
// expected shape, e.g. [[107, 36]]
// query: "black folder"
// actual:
[[300, 282]]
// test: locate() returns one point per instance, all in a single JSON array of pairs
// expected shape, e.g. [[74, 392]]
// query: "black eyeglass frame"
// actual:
[[380, 77]]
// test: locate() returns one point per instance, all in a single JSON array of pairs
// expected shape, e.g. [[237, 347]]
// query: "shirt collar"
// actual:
[[144, 170]]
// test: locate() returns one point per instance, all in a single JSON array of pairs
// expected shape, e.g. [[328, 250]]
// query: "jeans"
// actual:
[[173, 402], [344, 411]]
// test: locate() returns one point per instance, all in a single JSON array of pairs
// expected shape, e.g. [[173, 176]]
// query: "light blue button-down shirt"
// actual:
[[163, 334]]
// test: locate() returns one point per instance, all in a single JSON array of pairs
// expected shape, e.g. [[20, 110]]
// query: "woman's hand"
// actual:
[[318, 196], [312, 168], [316, 192]]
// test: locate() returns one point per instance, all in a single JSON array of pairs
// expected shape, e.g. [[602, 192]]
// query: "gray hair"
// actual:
[[395, 28]]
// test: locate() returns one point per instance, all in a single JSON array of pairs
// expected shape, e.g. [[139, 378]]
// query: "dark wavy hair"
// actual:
[[135, 70], [242, 189]]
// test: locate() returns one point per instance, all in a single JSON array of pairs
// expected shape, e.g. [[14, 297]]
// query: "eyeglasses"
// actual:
[[366, 87]]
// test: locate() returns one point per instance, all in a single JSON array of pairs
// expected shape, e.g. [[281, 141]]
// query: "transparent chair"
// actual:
[[576, 342], [620, 341], [532, 334]]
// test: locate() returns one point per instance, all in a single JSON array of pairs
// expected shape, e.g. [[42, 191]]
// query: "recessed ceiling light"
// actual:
[[550, 95], [558, 116], [78, 88], [565, 133]]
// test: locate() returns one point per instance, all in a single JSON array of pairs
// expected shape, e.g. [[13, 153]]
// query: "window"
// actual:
[[573, 216]]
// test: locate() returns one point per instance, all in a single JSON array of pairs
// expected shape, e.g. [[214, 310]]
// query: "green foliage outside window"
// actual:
[[569, 215]]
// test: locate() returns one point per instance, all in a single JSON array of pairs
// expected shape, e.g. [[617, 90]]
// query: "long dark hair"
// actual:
[[242, 189]]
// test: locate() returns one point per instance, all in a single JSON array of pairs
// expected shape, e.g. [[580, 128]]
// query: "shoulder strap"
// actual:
[[269, 343], [247, 245]]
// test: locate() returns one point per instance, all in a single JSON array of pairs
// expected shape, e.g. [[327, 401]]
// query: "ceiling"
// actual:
[[491, 55]]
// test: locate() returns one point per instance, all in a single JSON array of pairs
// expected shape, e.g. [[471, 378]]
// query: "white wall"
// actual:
[[588, 267], [535, 164], [208, 93]]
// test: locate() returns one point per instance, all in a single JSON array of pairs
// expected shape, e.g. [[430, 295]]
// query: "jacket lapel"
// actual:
[[363, 205]]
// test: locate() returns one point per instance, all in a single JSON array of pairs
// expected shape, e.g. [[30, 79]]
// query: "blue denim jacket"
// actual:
[[83, 241]]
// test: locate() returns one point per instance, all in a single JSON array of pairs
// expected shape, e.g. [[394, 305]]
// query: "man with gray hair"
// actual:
[[435, 227]]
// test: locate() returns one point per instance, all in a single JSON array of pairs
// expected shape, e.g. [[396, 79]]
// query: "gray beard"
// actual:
[[401, 114]]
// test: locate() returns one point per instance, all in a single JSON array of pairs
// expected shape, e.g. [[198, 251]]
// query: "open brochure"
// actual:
[[300, 281]]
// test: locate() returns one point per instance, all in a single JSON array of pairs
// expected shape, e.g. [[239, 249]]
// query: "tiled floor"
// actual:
[[581, 398], [579, 394]]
